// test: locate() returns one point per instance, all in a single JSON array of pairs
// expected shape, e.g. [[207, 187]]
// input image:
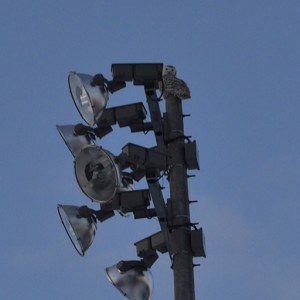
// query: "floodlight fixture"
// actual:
[[81, 230], [89, 98], [135, 201], [144, 158], [149, 245], [132, 201], [132, 278], [139, 73], [98, 175], [73, 141], [124, 115]]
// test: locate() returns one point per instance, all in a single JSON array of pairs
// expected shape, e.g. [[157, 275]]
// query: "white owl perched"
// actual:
[[173, 85]]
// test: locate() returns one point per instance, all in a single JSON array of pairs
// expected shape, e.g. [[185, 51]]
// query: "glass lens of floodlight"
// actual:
[[81, 231], [97, 174], [134, 284], [74, 142], [89, 100]]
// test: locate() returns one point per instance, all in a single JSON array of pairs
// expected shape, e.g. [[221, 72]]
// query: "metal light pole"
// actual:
[[179, 203], [102, 176]]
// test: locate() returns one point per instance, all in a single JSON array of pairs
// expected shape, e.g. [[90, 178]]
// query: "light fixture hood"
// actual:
[[135, 283], [81, 230], [74, 142], [89, 99]]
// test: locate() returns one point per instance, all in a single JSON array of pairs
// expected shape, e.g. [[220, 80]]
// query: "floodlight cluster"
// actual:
[[103, 178]]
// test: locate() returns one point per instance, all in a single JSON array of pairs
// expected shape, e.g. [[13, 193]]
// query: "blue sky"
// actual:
[[241, 62]]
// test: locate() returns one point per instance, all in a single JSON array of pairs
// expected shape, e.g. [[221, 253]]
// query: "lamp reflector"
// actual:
[[134, 284], [97, 174], [80, 230], [90, 100], [74, 142]]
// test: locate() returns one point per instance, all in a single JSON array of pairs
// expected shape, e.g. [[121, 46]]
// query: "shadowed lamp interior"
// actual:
[[81, 230], [132, 279], [89, 99]]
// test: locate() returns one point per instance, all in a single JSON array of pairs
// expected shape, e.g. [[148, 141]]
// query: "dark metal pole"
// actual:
[[179, 203]]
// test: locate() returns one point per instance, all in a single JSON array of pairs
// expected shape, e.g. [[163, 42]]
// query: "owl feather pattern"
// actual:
[[172, 85]]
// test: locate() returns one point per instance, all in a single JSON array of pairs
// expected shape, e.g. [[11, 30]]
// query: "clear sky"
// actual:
[[241, 61]]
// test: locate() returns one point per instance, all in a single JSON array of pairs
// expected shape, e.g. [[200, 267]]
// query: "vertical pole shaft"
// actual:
[[179, 203]]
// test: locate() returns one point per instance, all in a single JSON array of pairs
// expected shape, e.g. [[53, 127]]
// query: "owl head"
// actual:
[[169, 70]]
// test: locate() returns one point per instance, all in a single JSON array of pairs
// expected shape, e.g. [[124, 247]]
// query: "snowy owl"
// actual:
[[173, 85]]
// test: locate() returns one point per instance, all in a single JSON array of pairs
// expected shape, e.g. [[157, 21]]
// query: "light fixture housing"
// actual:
[[148, 246], [81, 230], [191, 155], [139, 73], [74, 142], [198, 243], [132, 279], [98, 175], [144, 158], [89, 99]]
